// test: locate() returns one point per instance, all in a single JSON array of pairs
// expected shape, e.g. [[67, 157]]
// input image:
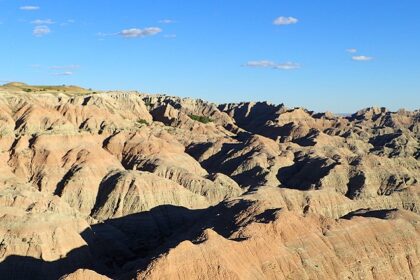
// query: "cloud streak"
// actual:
[[166, 21], [285, 21], [361, 58], [68, 67], [68, 22], [351, 50], [272, 65], [42, 21], [41, 30], [67, 73], [29, 8], [139, 33]]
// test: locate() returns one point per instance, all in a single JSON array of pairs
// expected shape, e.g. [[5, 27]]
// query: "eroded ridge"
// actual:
[[125, 185]]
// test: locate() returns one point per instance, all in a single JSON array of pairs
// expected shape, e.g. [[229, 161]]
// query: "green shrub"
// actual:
[[202, 119], [141, 122]]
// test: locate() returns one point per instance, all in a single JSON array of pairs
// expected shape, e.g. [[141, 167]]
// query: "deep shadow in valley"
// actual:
[[118, 247], [22, 267]]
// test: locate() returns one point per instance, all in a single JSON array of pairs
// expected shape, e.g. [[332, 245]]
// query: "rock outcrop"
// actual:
[[124, 185]]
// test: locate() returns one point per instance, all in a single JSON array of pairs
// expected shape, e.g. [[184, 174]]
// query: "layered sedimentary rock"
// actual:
[[124, 185], [290, 246]]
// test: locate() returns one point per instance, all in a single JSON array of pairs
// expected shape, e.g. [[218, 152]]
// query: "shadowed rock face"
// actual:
[[122, 185]]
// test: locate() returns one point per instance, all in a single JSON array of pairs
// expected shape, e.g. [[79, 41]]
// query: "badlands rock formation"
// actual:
[[124, 185]]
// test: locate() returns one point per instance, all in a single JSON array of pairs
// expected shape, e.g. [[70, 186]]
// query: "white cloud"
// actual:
[[285, 20], [29, 8], [361, 58], [41, 30], [272, 65], [42, 21], [67, 73], [166, 21], [351, 50], [138, 33]]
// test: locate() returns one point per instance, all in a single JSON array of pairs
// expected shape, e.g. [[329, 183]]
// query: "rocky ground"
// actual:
[[123, 185]]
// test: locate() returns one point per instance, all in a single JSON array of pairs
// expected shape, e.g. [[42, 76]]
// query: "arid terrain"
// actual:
[[125, 185]]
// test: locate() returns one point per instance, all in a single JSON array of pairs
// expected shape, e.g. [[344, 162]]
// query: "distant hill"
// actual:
[[16, 86]]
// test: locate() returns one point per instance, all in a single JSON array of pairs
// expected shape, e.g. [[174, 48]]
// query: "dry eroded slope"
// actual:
[[132, 186]]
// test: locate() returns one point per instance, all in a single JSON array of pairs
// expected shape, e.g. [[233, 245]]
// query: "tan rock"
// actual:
[[84, 274], [143, 186]]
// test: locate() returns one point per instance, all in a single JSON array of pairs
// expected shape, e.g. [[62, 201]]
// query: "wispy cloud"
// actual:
[[272, 65], [102, 34], [57, 70], [170, 36], [41, 30], [167, 21], [67, 73], [68, 22], [42, 21], [139, 33], [65, 67], [351, 50], [29, 8], [362, 58], [285, 20]]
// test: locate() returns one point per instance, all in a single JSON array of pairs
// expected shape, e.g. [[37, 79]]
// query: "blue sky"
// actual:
[[331, 55]]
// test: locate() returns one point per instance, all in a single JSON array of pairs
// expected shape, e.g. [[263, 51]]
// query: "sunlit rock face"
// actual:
[[123, 185]]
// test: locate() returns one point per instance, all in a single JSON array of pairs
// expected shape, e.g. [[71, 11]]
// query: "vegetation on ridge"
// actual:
[[202, 119], [142, 121], [68, 89]]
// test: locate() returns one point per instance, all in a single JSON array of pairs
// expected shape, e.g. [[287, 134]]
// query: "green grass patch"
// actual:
[[202, 119], [142, 122]]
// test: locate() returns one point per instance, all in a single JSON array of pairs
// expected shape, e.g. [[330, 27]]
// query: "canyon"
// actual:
[[128, 185]]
